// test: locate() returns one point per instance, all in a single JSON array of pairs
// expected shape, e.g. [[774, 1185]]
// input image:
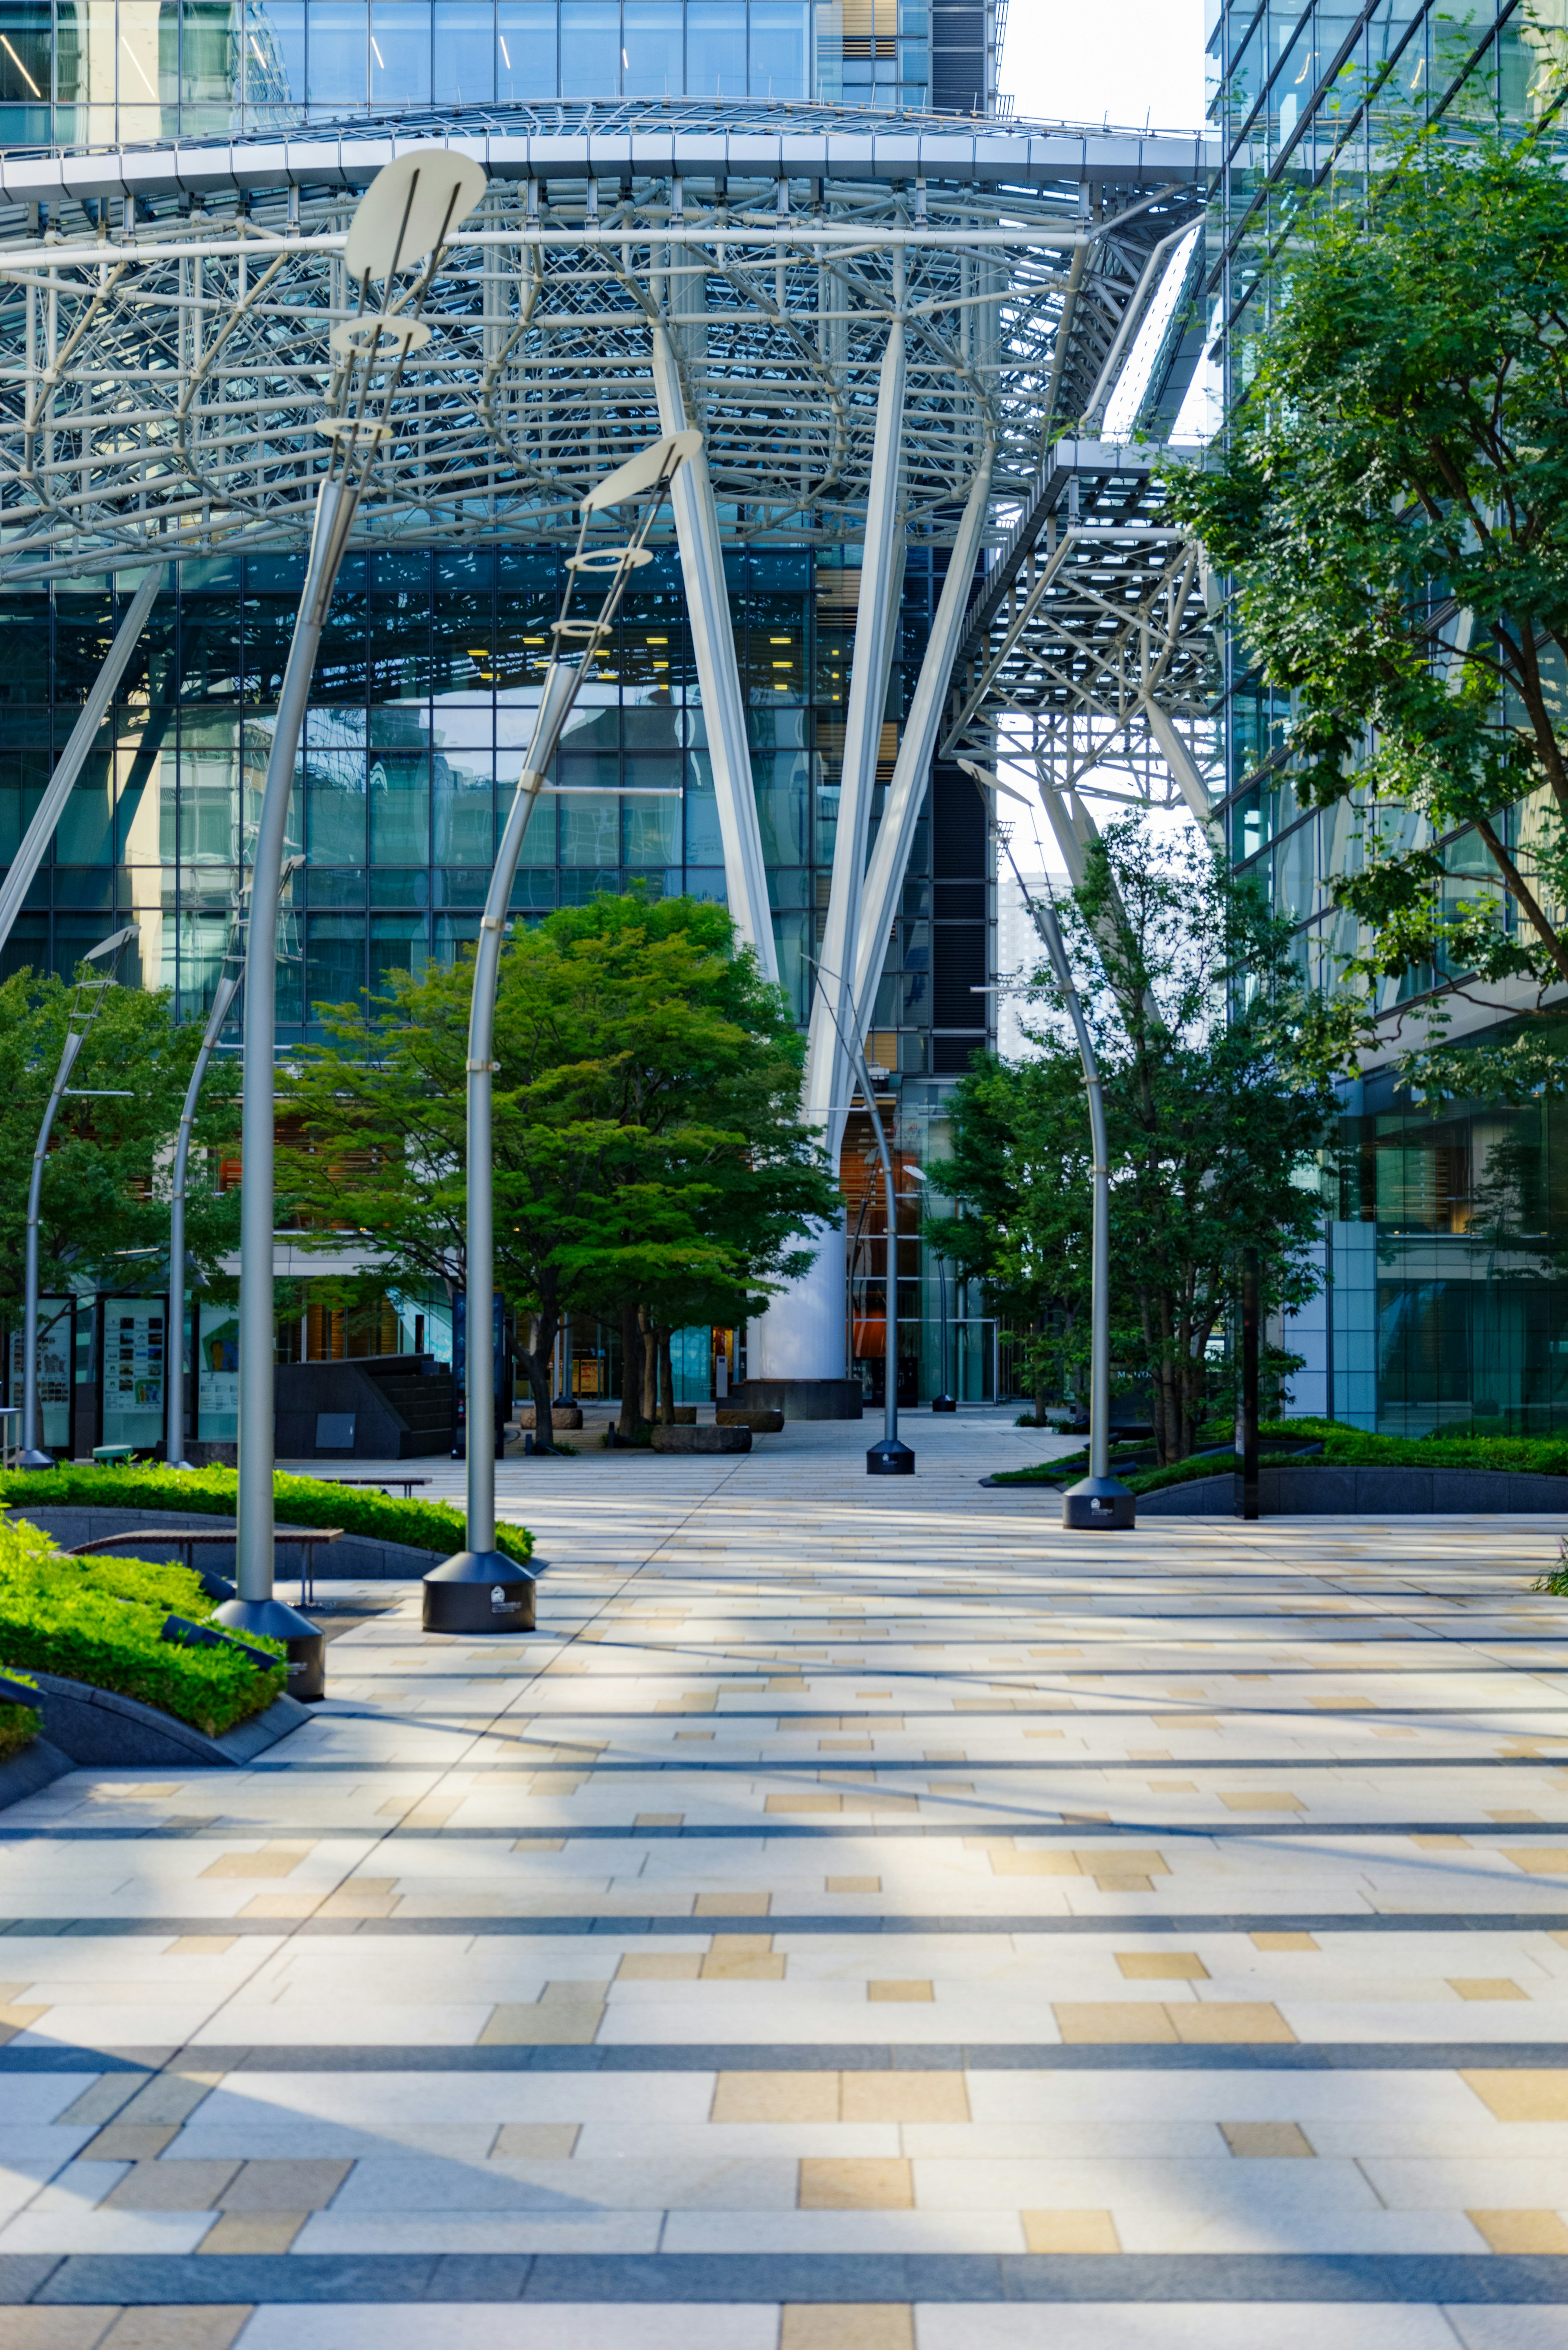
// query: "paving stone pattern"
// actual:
[[865, 1917]]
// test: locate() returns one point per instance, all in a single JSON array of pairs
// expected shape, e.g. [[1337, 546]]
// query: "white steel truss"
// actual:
[[1089, 653]]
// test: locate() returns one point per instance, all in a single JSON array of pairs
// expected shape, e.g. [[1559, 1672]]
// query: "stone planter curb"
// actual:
[[100, 1727], [358, 1558]]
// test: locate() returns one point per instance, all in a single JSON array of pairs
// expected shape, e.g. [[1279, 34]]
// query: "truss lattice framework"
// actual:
[[161, 372], [1088, 654]]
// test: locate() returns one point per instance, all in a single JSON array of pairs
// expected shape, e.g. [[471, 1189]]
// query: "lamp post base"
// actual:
[[275, 1620], [479, 1591], [34, 1459], [944, 1402], [889, 1459], [1098, 1503]]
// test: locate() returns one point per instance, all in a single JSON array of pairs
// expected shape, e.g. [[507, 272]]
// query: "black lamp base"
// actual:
[[889, 1459], [305, 1643], [1100, 1504], [479, 1591], [944, 1402]]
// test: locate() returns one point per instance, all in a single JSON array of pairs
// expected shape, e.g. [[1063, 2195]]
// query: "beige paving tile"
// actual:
[[855, 2184], [130, 2142], [848, 2325], [556, 2024], [537, 2141], [1156, 1966], [276, 1859], [55, 2329], [896, 1993], [1229, 2020], [659, 1966], [212, 2327], [777, 2097], [1286, 1939], [1112, 2019], [254, 2231], [1540, 1860], [732, 1905], [1070, 2232], [1533, 2094], [1522, 2231], [1273, 1800], [303, 2183], [170, 2187], [201, 1946], [1267, 2141], [852, 1884], [1486, 1987]]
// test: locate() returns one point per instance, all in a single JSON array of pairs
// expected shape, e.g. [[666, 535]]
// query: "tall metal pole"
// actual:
[[175, 1429], [1099, 1500], [33, 1455], [481, 1589]]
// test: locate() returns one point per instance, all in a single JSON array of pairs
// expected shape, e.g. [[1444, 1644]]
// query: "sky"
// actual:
[[1085, 60]]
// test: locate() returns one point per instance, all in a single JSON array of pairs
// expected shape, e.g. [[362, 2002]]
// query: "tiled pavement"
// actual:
[[865, 1917]]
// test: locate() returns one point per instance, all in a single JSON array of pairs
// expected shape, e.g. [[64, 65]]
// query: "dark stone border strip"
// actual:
[[591, 1927], [856, 2057], [1507, 2280]]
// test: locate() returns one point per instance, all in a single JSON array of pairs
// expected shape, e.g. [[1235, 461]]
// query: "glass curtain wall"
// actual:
[[1446, 1302]]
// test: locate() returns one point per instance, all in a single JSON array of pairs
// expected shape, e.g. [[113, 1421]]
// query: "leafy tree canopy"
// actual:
[[1390, 500], [1211, 1123], [648, 1146]]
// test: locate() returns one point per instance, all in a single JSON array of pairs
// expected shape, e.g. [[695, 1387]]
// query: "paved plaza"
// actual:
[[863, 1917]]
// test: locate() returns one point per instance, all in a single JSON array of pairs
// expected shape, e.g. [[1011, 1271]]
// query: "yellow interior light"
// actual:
[[659, 640]]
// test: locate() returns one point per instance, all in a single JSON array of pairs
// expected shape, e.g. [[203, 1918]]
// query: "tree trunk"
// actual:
[[632, 1418], [649, 1363], [666, 1378], [535, 1359]]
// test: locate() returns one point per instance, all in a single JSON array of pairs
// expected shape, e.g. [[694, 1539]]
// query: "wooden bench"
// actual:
[[392, 1477], [191, 1539]]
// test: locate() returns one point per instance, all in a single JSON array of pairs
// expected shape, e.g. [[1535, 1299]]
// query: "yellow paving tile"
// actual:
[[1285, 1938], [852, 1884], [896, 1991], [776, 2097], [1540, 1860], [1273, 1800], [829, 2183], [1155, 1966], [1522, 2231], [1112, 2019], [1070, 2232], [732, 1905], [896, 2096], [206, 2327], [1486, 1987], [254, 2231], [659, 1966], [848, 2325], [1533, 2094], [1229, 2020], [276, 1859], [537, 2141], [1267, 2141]]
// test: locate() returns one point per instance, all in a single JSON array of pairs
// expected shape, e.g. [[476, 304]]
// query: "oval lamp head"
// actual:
[[640, 473], [409, 207]]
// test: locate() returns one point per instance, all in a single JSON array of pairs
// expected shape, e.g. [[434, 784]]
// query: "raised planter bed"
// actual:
[[711, 1438], [1369, 1492], [760, 1418], [96, 1726], [354, 1558]]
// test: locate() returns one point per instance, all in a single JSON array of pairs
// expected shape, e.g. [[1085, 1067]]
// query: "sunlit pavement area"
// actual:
[[864, 1917]]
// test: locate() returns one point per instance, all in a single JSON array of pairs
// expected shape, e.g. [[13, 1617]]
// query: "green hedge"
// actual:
[[98, 1620], [299, 1501], [1342, 1448], [18, 1728]]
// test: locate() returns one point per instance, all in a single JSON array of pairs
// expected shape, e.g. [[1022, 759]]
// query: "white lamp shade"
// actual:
[[409, 207]]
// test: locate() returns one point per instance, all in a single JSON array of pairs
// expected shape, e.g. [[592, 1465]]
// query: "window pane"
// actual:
[[652, 42], [779, 49], [210, 53], [716, 48], [337, 56], [274, 54], [400, 808], [400, 53], [464, 52], [590, 48], [26, 51], [525, 50]]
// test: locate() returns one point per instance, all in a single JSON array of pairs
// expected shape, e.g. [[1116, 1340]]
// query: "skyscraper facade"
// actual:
[[1423, 1320]]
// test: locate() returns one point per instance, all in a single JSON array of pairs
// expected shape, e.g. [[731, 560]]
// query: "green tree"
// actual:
[[104, 1211], [649, 1153], [1390, 500], [1213, 1128]]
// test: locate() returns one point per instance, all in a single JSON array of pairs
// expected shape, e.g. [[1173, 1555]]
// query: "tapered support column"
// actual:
[[906, 792], [828, 1073], [1184, 772], [35, 841], [717, 674]]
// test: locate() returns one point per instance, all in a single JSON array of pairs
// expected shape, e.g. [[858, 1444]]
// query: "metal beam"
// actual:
[[1184, 770], [718, 672], [906, 793], [827, 1069], [73, 758]]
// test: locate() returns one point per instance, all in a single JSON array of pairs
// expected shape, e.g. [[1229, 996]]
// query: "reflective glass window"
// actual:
[[211, 33], [336, 53], [26, 53], [400, 53], [590, 48], [466, 52], [275, 55], [780, 49], [525, 50], [716, 48], [651, 45]]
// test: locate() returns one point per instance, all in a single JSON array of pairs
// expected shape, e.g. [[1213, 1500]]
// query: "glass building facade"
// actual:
[[123, 72], [1446, 1293], [424, 692]]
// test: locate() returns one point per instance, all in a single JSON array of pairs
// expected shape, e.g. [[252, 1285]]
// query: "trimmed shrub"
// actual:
[[18, 1728], [1342, 1448], [298, 1501], [99, 1620]]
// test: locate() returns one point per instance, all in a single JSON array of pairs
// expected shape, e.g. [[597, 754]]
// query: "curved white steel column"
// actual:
[[718, 672], [906, 792]]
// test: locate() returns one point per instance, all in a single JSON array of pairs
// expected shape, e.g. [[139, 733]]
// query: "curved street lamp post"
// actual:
[[401, 224], [1098, 1501], [89, 999], [481, 1589]]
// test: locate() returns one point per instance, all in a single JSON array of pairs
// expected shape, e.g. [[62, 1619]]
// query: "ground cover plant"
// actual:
[[100, 1620], [1342, 1447], [297, 1501]]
